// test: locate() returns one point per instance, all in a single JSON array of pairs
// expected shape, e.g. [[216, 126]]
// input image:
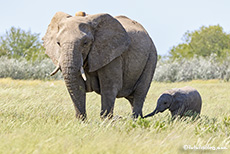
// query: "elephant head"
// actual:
[[72, 41], [166, 101]]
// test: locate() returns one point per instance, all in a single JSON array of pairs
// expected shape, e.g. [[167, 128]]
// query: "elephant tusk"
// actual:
[[83, 73], [55, 71]]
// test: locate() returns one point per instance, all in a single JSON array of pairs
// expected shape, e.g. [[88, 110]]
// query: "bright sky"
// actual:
[[165, 20]]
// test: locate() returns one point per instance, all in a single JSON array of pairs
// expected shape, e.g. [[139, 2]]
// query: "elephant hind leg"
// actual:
[[130, 99], [136, 105], [142, 85]]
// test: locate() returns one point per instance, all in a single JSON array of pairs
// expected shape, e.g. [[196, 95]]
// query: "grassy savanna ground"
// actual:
[[38, 117]]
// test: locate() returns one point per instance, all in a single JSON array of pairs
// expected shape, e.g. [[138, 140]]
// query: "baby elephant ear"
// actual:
[[177, 101], [50, 44], [110, 41]]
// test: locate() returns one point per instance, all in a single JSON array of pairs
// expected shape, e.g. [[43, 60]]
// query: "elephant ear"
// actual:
[[50, 43], [110, 41], [179, 100]]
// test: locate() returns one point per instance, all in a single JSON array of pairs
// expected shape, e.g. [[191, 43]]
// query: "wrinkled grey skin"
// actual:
[[116, 54], [182, 101]]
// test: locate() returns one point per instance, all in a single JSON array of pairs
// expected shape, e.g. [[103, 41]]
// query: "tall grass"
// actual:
[[38, 117]]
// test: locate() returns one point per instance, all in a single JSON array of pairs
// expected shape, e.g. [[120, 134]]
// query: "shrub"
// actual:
[[22, 69], [195, 68], [166, 71]]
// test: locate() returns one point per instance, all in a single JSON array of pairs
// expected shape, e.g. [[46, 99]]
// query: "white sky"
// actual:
[[165, 20]]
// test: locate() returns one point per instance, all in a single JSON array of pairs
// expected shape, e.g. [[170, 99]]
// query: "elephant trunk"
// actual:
[[151, 114], [71, 68]]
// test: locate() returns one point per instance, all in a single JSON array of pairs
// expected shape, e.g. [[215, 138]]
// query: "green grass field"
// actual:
[[38, 117]]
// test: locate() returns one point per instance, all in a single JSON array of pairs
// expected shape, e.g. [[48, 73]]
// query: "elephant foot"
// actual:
[[82, 117], [136, 115], [105, 115]]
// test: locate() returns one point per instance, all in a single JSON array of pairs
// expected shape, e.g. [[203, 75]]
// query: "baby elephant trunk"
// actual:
[[151, 114]]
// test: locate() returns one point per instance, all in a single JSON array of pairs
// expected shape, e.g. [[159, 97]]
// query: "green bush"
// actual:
[[203, 42], [17, 43]]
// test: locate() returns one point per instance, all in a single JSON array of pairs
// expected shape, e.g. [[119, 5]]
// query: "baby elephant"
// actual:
[[183, 101]]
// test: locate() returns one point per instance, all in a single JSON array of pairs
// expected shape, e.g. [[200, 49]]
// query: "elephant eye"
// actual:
[[58, 43], [165, 103], [85, 42]]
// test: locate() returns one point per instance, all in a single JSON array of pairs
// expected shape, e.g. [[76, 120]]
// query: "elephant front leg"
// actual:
[[108, 91], [107, 104], [110, 80]]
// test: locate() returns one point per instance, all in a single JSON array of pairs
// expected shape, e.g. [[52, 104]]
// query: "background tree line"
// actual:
[[203, 54], [17, 43], [203, 42]]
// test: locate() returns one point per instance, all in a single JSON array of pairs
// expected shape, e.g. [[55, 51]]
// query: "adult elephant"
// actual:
[[113, 56]]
